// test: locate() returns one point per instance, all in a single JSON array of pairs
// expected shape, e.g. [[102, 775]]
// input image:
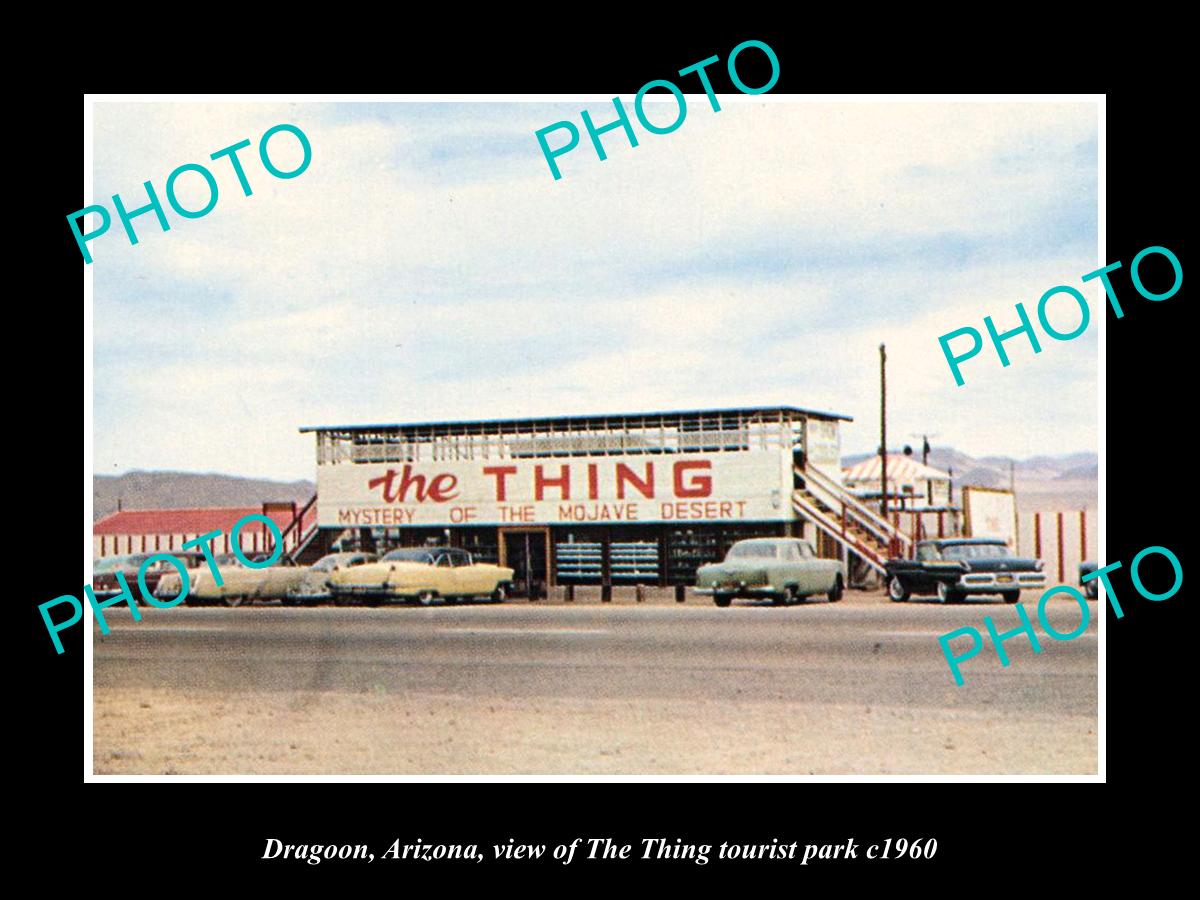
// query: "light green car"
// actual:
[[785, 570]]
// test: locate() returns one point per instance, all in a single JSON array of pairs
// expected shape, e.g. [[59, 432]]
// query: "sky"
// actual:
[[427, 267]]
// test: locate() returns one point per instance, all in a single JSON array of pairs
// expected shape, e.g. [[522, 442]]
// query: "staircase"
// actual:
[[855, 526], [301, 539]]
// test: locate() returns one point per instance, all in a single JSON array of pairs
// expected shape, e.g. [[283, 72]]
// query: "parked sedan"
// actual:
[[104, 574], [420, 575], [1090, 588], [313, 586], [953, 568], [239, 583], [784, 569]]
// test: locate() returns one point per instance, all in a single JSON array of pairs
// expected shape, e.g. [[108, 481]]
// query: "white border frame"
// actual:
[[90, 100]]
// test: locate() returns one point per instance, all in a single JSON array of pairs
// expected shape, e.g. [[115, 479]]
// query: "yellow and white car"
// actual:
[[421, 575], [240, 583]]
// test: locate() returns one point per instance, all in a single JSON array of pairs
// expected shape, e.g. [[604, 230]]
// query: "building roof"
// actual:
[[901, 470], [590, 419], [182, 521]]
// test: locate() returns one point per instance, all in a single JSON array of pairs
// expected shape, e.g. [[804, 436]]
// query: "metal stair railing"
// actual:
[[834, 496], [299, 532], [838, 531]]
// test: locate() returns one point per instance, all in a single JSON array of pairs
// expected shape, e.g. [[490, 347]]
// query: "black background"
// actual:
[[137, 833]]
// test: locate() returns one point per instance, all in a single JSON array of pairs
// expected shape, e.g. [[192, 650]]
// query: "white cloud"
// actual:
[[424, 268]]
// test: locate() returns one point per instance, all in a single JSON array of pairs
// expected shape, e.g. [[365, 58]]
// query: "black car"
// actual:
[[1091, 588], [952, 568]]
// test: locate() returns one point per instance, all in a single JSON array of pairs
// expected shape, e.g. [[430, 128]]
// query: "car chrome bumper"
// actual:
[[372, 590], [739, 589], [990, 582]]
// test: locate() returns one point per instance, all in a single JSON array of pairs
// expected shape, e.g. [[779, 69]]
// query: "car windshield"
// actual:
[[752, 550], [326, 563], [975, 551], [409, 554], [111, 564]]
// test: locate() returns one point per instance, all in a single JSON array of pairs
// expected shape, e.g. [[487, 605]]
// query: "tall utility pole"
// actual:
[[883, 504], [925, 462]]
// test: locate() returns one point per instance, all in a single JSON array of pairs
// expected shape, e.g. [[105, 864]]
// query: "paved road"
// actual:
[[687, 661], [811, 653]]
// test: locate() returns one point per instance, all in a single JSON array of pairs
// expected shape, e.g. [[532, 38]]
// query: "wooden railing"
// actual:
[[846, 506], [302, 527], [838, 531]]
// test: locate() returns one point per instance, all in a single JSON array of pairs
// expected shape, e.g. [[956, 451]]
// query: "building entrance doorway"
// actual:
[[525, 551]]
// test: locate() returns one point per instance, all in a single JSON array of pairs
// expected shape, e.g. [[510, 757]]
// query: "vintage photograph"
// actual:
[[525, 437]]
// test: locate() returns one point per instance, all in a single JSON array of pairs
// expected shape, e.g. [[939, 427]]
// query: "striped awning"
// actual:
[[901, 470]]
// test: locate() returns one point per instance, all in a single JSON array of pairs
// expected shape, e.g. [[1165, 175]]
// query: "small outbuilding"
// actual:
[[911, 484]]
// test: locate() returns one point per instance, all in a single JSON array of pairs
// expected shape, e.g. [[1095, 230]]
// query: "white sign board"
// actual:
[[689, 487], [990, 513], [823, 447]]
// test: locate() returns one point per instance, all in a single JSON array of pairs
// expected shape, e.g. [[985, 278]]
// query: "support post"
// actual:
[[883, 460], [1060, 548], [606, 571]]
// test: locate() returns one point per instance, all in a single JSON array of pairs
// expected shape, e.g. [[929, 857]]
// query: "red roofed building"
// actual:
[[149, 530]]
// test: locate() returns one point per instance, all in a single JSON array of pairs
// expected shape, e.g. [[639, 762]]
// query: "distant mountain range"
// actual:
[[994, 471], [168, 490]]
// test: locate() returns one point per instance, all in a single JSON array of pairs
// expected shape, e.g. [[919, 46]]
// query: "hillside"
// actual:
[[164, 490], [994, 471], [1043, 483]]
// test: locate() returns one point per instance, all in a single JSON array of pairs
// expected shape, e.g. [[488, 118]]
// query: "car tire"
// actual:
[[372, 601], [500, 594], [786, 598], [722, 599], [897, 592], [233, 600], [290, 601], [1092, 589], [948, 594], [835, 593], [425, 598], [1011, 596]]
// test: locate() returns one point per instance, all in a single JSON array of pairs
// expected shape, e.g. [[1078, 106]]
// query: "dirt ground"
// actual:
[[157, 731]]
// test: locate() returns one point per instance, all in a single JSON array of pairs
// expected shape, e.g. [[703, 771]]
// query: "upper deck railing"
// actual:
[[619, 435]]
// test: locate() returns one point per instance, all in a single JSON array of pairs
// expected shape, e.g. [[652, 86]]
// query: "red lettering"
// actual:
[[699, 486], [562, 482], [440, 488], [501, 473], [646, 487], [386, 481]]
